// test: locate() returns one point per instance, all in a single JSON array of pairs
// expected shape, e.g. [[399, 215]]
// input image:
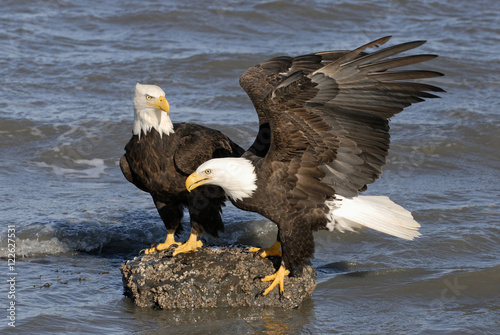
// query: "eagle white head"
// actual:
[[151, 110], [236, 176]]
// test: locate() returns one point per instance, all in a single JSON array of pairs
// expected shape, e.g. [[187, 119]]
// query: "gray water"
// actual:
[[68, 69]]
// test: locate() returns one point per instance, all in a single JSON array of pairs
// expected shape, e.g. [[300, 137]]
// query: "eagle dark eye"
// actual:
[[207, 171], [148, 97]]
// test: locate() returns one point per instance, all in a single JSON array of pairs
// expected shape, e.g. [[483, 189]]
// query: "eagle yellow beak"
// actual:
[[161, 104], [194, 180]]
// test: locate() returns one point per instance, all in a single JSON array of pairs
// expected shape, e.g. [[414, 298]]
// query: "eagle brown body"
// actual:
[[303, 199]]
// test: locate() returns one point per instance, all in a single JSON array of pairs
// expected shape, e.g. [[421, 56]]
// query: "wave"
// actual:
[[128, 233], [69, 236]]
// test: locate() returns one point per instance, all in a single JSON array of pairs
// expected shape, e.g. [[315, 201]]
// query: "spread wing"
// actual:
[[329, 120], [260, 80]]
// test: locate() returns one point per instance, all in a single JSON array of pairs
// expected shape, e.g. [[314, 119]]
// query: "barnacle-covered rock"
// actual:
[[211, 277]]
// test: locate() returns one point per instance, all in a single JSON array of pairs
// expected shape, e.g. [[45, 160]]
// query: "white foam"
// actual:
[[96, 168], [35, 247]]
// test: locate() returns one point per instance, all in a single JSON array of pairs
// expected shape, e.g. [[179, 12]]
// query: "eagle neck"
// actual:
[[158, 120]]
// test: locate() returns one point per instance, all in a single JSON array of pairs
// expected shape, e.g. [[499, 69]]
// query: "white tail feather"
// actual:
[[375, 212]]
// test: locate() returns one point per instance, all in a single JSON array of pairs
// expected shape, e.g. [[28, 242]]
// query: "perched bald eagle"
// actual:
[[159, 157], [327, 115]]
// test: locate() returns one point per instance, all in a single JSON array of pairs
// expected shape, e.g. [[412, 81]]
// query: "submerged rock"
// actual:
[[211, 277]]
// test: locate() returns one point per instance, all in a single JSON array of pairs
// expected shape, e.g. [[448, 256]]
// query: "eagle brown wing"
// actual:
[[126, 169], [260, 80], [329, 126], [199, 144]]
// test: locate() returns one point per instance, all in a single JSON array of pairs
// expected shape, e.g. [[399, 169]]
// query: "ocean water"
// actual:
[[68, 69]]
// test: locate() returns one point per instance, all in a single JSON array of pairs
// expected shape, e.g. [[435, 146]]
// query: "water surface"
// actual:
[[68, 70]]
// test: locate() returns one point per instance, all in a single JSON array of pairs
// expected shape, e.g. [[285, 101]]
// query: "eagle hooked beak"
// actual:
[[161, 104], [194, 180]]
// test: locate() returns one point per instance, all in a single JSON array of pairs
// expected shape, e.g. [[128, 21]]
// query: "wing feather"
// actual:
[[197, 144], [329, 113], [260, 80]]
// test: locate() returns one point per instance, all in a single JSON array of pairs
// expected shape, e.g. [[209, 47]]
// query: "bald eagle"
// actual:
[[159, 157], [327, 117]]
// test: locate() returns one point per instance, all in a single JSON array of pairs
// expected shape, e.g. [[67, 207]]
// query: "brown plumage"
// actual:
[[327, 118]]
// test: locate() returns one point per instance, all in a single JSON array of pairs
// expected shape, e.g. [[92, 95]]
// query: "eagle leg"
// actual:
[[192, 244], [169, 241], [274, 250], [278, 278]]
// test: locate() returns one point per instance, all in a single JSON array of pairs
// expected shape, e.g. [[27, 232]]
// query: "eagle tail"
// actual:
[[375, 212]]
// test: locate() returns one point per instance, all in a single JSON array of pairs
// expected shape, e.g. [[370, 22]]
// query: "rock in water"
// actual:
[[211, 277]]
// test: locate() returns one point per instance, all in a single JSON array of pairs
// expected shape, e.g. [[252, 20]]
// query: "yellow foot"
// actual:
[[278, 278], [169, 241], [192, 244], [274, 250]]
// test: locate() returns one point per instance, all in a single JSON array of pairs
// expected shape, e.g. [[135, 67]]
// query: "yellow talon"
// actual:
[[274, 250], [192, 244], [278, 278], [169, 241]]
